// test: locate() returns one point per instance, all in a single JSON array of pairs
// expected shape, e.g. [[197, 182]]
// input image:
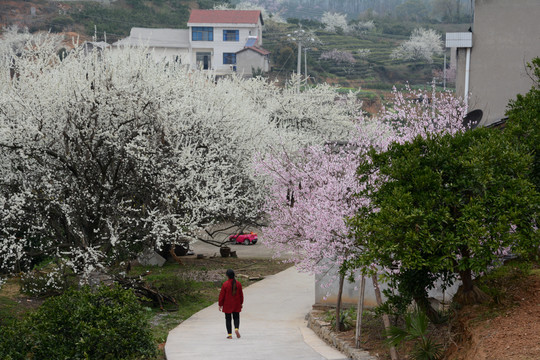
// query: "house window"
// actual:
[[229, 58], [199, 33], [231, 35], [204, 60]]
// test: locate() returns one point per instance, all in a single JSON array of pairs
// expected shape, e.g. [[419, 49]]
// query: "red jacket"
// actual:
[[231, 303]]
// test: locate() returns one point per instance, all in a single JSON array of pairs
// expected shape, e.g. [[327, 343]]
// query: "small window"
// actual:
[[231, 35], [199, 33], [229, 58]]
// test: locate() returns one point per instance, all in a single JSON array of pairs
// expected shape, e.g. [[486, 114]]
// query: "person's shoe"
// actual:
[[237, 333], [229, 337]]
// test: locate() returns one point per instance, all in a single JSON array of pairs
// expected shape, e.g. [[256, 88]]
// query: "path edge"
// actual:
[[323, 331]]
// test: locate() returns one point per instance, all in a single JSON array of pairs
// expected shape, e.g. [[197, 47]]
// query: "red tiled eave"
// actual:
[[257, 49], [225, 16]]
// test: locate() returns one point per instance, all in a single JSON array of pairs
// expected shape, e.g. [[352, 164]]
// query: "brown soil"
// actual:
[[509, 331], [373, 341]]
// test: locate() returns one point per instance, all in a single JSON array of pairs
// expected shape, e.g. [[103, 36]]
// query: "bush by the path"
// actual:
[[107, 323]]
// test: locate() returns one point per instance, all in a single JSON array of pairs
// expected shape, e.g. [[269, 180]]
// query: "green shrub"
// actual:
[[14, 340], [416, 329], [347, 318], [106, 323]]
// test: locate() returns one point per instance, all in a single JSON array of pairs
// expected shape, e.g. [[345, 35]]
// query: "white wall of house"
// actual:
[[218, 47], [249, 60], [170, 54], [506, 35]]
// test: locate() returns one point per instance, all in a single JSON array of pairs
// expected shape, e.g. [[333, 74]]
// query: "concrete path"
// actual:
[[272, 325]]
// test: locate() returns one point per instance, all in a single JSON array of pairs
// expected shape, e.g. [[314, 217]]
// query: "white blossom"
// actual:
[[105, 153], [333, 21], [422, 45]]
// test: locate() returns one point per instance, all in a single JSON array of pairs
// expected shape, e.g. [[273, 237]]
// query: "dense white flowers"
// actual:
[[105, 153], [334, 21], [422, 45]]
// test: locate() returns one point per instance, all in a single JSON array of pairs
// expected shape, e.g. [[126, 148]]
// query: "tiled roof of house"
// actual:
[[256, 49], [224, 16], [173, 38]]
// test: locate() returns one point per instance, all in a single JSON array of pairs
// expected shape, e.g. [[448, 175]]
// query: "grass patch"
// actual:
[[195, 285]]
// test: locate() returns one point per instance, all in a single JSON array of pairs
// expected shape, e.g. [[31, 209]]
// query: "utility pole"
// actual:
[[444, 71], [302, 37], [305, 62], [299, 64]]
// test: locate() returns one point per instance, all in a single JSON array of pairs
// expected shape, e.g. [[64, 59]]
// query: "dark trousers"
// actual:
[[236, 317]]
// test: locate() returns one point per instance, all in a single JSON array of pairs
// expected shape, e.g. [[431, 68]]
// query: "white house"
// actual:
[[492, 56], [217, 35], [211, 42]]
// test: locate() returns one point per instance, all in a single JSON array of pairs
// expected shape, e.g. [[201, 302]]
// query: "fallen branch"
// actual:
[[145, 290]]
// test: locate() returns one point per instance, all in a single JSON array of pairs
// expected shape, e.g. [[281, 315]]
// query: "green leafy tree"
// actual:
[[523, 124], [446, 205], [107, 323]]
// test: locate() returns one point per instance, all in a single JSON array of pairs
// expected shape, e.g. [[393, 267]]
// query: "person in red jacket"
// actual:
[[231, 299]]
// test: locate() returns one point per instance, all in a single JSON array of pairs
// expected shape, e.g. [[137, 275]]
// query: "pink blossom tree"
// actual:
[[312, 191]]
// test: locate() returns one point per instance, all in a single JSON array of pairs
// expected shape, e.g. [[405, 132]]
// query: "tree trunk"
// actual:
[[425, 306], [360, 311], [468, 293], [386, 320], [338, 304]]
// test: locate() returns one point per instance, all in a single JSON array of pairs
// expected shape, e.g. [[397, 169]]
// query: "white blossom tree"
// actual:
[[422, 45], [334, 21], [107, 153]]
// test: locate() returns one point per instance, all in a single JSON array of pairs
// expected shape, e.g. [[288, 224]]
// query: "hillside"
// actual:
[[89, 17], [114, 21], [375, 71]]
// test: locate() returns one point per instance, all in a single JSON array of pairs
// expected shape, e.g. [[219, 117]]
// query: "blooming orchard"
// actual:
[[103, 154], [422, 45], [314, 189]]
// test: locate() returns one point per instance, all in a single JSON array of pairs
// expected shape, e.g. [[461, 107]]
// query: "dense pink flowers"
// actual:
[[312, 191]]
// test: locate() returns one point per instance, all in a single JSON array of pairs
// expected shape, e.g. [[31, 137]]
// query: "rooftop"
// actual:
[[225, 17], [172, 38]]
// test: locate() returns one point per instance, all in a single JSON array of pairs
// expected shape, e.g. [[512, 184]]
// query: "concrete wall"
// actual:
[[506, 35], [328, 296], [169, 54], [246, 60]]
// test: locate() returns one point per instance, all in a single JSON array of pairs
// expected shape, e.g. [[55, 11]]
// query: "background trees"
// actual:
[[422, 45]]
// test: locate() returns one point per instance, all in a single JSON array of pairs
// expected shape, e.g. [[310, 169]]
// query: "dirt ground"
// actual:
[[511, 333]]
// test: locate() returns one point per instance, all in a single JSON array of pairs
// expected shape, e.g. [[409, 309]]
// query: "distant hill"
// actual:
[[113, 17]]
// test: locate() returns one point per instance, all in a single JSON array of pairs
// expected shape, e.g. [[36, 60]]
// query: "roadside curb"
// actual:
[[322, 330]]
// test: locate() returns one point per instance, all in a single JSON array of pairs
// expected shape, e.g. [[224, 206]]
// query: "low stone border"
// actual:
[[322, 329]]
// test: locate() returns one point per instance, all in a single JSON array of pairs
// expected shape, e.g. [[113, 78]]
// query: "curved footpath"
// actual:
[[272, 325]]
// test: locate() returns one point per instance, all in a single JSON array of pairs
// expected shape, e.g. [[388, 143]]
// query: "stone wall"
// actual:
[[323, 331]]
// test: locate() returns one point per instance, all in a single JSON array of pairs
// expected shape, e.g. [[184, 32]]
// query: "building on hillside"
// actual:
[[164, 44], [212, 41], [492, 56], [252, 60], [217, 35]]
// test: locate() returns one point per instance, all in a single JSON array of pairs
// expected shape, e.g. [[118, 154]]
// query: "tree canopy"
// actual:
[[446, 204], [107, 152]]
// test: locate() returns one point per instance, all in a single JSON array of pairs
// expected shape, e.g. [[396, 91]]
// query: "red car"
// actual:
[[246, 239]]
